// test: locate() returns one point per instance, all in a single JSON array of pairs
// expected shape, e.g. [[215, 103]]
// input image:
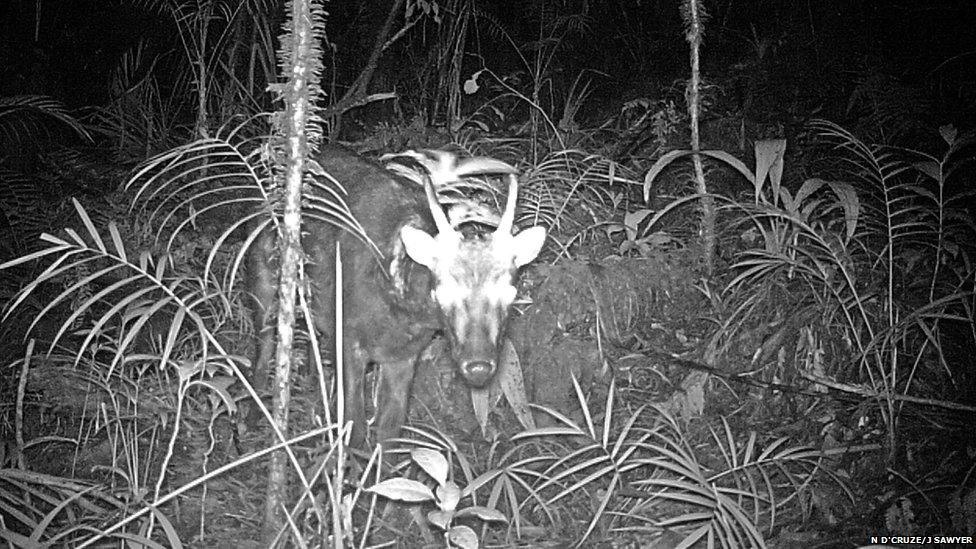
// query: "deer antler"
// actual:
[[508, 216]]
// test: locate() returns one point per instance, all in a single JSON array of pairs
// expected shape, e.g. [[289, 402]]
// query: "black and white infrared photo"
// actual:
[[502, 274]]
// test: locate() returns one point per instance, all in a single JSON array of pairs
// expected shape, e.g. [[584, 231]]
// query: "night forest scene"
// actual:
[[514, 274]]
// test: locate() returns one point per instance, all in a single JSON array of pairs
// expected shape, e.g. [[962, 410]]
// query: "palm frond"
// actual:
[[32, 118], [567, 179], [104, 285]]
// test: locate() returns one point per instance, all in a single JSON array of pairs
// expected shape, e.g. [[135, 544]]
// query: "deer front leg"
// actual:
[[262, 285], [393, 397], [354, 373]]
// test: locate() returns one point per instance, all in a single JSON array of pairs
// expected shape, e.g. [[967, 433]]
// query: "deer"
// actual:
[[409, 276]]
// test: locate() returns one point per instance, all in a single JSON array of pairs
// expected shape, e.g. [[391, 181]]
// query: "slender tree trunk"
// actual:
[[202, 122], [358, 90], [300, 54], [694, 16]]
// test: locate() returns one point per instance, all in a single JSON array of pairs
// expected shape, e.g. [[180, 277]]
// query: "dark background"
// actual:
[[815, 53]]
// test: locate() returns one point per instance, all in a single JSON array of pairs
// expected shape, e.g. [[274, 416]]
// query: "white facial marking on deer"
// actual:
[[449, 293]]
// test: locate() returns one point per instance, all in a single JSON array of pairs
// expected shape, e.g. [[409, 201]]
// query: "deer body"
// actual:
[[426, 280]]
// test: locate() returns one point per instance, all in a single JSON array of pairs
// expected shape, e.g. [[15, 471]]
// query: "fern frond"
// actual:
[[27, 118]]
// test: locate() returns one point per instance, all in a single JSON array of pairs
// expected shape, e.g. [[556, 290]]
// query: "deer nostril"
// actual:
[[478, 372]]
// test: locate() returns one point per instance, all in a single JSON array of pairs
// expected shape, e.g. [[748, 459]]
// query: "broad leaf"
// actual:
[[403, 489], [432, 462], [484, 513], [463, 537]]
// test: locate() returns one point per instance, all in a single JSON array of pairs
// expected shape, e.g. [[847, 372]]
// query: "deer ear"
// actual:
[[420, 246], [527, 244]]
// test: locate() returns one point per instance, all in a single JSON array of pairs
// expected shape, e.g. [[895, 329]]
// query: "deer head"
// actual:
[[474, 281]]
